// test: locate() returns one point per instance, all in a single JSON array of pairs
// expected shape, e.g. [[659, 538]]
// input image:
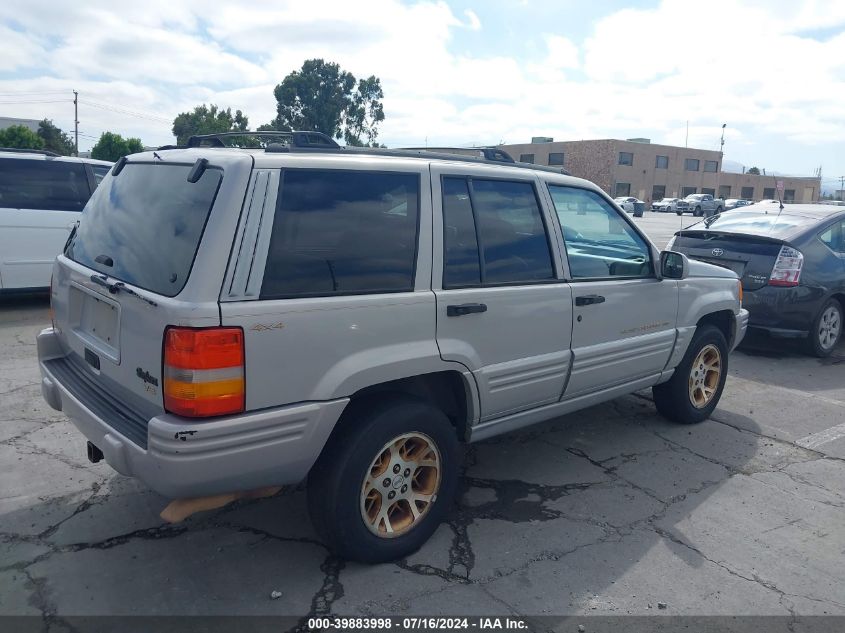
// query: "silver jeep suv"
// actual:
[[229, 319]]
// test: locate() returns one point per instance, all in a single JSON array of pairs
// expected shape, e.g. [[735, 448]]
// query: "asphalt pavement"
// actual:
[[607, 511]]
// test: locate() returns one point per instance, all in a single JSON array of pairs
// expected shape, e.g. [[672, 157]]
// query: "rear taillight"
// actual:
[[787, 269], [204, 371]]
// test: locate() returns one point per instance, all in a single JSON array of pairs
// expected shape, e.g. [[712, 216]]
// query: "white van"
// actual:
[[41, 198]]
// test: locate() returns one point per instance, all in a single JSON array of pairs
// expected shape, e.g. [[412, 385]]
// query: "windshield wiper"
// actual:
[[117, 286]]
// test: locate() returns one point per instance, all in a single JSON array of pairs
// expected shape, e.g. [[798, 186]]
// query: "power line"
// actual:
[[35, 101], [123, 110], [37, 92]]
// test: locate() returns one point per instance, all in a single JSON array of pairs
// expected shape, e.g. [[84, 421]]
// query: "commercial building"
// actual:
[[637, 167]]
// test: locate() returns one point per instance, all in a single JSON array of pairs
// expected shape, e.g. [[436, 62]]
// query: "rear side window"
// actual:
[[100, 172], [49, 185], [834, 237], [342, 232], [144, 226], [493, 234]]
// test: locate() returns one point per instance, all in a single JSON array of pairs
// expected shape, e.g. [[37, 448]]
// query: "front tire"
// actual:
[[385, 480], [697, 212], [827, 330], [695, 388]]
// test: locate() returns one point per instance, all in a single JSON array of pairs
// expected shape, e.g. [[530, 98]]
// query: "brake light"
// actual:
[[787, 268], [204, 371]]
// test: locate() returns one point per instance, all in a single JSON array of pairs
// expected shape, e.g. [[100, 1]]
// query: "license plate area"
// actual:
[[736, 266], [95, 320]]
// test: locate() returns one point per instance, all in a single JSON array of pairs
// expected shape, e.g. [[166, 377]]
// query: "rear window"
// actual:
[[769, 225], [147, 222], [48, 185], [342, 232]]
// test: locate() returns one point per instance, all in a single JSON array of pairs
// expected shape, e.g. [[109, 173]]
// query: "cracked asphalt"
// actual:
[[606, 511]]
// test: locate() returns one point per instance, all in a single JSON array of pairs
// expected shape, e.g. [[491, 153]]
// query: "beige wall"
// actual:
[[598, 161]]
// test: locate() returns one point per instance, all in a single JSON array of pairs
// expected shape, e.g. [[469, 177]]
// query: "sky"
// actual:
[[453, 73]]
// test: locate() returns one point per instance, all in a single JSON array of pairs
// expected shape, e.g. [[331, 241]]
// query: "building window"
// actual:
[[687, 191], [747, 193], [712, 192], [658, 192], [789, 195], [661, 162], [526, 158], [769, 192], [623, 189], [724, 191], [691, 164], [711, 166], [556, 158], [626, 158]]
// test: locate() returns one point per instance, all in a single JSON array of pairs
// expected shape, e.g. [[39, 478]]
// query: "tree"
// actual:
[[208, 120], [55, 139], [113, 146], [324, 98], [20, 137], [753, 170]]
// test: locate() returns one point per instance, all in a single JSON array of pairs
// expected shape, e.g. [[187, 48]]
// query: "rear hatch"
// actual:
[[750, 257], [746, 242], [150, 252]]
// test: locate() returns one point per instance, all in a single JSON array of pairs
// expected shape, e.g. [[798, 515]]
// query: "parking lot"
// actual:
[[611, 511]]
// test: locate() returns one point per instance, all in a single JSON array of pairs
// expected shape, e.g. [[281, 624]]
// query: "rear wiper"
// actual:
[[117, 286]]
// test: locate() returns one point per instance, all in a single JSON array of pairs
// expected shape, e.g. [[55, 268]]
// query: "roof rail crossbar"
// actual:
[[489, 153], [19, 150], [293, 139]]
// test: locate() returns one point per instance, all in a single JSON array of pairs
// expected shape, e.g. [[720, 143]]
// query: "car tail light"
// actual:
[[204, 371], [787, 268]]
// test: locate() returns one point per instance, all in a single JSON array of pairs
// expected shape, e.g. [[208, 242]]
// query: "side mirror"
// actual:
[[673, 265]]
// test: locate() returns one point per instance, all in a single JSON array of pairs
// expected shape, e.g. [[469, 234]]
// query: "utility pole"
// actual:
[[841, 187], [722, 146], [76, 123], [686, 140]]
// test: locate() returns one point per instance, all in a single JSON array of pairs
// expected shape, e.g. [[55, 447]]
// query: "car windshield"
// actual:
[[668, 200]]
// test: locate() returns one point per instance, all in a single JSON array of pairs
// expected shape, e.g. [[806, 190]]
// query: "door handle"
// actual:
[[587, 300], [465, 308]]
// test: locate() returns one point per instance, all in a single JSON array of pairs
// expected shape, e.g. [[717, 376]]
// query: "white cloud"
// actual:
[[473, 23], [752, 64]]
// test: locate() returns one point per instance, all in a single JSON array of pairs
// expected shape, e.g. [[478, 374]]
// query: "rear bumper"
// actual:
[[783, 312], [190, 458]]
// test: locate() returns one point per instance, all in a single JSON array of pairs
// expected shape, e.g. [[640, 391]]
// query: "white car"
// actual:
[[669, 205], [627, 203], [42, 196]]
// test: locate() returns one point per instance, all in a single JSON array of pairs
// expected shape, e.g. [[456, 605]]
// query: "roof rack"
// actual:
[[318, 142], [489, 153], [293, 139], [18, 150]]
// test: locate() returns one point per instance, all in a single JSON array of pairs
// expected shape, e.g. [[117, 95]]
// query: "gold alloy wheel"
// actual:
[[401, 485], [704, 376]]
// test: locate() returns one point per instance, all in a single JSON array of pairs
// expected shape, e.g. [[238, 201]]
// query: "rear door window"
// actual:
[[493, 233], [341, 232], [144, 226], [47, 185]]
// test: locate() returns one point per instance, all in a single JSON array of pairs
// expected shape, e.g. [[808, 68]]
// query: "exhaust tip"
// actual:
[[94, 454]]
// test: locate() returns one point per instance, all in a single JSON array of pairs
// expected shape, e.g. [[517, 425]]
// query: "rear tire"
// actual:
[[693, 392], [389, 454], [826, 331]]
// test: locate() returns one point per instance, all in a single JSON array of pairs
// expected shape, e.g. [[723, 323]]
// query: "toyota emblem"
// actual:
[[717, 252]]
